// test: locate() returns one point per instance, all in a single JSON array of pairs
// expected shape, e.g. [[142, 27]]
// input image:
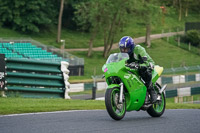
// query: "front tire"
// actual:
[[116, 110], [157, 109]]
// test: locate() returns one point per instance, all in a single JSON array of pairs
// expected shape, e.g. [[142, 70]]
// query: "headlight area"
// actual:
[[113, 80]]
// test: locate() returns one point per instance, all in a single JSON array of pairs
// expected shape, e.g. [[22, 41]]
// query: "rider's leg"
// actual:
[[146, 75]]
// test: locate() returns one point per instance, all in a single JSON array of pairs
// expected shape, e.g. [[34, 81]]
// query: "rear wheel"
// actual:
[[115, 109], [157, 109]]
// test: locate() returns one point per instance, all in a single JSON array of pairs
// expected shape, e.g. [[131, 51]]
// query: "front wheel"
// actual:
[[157, 109], [115, 109]]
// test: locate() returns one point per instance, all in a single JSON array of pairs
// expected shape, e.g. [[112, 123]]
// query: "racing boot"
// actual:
[[153, 95]]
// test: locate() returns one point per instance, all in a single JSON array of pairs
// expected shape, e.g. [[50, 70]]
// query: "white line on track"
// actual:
[[38, 113]]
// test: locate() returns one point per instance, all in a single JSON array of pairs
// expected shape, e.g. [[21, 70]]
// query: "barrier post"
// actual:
[[94, 88], [2, 74], [64, 69]]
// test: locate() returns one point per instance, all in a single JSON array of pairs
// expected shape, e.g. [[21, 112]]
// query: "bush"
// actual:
[[193, 36], [28, 16]]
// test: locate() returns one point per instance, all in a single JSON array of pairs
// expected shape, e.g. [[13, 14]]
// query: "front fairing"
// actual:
[[115, 68], [115, 63]]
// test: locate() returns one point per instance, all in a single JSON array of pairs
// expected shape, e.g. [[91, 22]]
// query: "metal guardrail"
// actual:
[[182, 70], [31, 78], [174, 93]]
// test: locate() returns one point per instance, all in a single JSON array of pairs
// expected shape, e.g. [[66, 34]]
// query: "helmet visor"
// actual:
[[124, 50]]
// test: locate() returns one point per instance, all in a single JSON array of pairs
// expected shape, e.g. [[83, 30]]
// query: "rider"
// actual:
[[136, 54]]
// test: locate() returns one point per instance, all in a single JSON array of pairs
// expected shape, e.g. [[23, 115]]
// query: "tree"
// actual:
[[26, 15], [182, 6], [108, 16], [114, 15], [60, 20], [88, 15], [150, 10]]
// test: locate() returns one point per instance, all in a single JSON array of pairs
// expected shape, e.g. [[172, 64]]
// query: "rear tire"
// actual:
[[115, 110], [157, 109]]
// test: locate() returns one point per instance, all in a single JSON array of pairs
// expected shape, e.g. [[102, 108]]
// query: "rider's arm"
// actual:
[[142, 52]]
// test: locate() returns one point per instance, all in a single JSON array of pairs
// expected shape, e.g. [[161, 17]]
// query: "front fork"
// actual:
[[121, 93], [161, 91]]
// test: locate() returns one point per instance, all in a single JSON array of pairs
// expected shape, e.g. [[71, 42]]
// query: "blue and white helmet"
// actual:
[[126, 45]]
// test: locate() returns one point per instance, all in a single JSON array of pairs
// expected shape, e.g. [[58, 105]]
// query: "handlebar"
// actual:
[[133, 65]]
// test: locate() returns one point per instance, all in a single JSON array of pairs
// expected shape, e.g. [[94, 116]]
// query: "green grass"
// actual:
[[171, 105], [86, 92], [73, 39], [168, 55], [29, 105], [174, 41], [163, 53], [134, 28], [195, 98], [182, 106]]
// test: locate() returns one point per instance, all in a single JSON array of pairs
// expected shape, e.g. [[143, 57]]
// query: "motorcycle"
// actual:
[[126, 90]]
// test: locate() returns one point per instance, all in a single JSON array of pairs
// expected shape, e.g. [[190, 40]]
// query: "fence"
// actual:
[[189, 90], [176, 41], [182, 70], [76, 64], [102, 85], [73, 60], [175, 80], [31, 78]]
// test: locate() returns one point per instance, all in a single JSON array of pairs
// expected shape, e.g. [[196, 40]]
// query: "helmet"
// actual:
[[126, 45]]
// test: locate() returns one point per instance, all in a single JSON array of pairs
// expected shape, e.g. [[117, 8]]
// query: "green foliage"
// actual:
[[26, 15], [85, 14], [193, 36], [105, 16], [192, 4], [149, 10], [167, 55]]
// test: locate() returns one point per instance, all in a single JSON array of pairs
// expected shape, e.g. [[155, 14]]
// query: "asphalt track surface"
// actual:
[[98, 121]]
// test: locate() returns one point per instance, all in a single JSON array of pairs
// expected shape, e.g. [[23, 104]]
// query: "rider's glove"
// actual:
[[150, 66], [134, 65]]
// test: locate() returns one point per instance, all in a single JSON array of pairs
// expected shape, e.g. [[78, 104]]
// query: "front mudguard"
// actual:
[[113, 86]]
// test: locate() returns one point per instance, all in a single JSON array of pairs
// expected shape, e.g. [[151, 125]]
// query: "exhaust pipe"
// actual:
[[163, 88]]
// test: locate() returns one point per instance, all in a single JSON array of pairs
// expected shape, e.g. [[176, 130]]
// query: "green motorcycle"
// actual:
[[126, 90]]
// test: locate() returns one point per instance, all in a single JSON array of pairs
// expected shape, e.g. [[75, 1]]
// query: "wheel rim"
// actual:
[[119, 109], [158, 107]]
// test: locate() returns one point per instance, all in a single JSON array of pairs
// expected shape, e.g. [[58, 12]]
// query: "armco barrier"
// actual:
[[195, 90], [34, 78], [102, 86], [171, 93]]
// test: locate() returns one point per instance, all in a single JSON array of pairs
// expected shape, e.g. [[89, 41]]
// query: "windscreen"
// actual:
[[116, 57]]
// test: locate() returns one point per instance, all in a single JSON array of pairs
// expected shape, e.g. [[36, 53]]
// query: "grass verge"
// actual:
[[29, 105], [162, 52]]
